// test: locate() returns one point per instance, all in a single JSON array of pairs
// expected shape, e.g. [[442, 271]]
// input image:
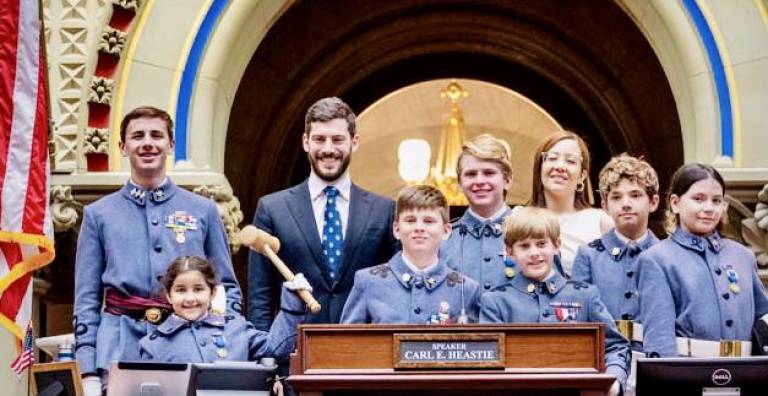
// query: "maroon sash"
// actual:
[[137, 307]]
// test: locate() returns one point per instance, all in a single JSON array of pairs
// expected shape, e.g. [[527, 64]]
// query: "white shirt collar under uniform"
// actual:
[[494, 216], [625, 240], [417, 270]]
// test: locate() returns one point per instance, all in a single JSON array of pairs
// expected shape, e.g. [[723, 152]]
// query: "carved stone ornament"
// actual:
[[65, 210], [101, 90], [128, 4], [96, 140], [754, 229], [112, 41], [229, 210]]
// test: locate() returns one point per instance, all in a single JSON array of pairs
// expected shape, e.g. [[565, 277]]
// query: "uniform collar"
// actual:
[[139, 195], [618, 248], [175, 322], [408, 278], [698, 243], [550, 286], [317, 185], [469, 224]]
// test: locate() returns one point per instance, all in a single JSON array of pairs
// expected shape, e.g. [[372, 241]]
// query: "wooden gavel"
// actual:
[[268, 245]]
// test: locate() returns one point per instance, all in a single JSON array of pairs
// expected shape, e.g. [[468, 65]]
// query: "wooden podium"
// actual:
[[526, 359]]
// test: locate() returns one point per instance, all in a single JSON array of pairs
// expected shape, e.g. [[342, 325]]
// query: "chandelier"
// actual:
[[415, 154]]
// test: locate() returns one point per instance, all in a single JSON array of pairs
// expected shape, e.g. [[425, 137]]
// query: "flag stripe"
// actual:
[[36, 201], [9, 304], [9, 30], [22, 128]]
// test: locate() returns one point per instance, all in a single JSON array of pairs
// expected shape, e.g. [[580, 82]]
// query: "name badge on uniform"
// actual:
[[179, 222], [566, 311]]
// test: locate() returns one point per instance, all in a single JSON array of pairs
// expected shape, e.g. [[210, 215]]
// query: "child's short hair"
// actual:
[[183, 264], [625, 166], [421, 197], [486, 147], [530, 222]]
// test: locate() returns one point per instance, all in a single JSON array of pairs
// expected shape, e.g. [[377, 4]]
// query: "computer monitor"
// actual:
[[702, 377], [233, 378], [149, 379]]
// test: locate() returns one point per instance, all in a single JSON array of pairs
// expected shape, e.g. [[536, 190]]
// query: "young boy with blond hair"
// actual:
[[475, 247], [415, 286], [541, 294]]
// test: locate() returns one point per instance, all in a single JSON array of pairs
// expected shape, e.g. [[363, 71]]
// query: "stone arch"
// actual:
[[587, 65]]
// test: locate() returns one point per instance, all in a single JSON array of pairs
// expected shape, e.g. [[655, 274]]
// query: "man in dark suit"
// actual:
[[328, 227]]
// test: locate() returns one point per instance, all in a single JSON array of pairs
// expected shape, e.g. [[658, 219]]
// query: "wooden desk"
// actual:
[[538, 359]]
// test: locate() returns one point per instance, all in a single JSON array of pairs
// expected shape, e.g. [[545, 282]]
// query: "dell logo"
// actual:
[[721, 377]]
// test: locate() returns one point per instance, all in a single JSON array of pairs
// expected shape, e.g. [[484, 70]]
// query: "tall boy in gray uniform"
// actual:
[[476, 246], [542, 294], [127, 240], [414, 286]]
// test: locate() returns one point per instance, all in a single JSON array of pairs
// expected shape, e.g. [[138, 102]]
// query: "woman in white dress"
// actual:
[[561, 184]]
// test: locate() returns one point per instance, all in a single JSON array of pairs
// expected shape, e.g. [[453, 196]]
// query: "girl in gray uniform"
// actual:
[[700, 294], [194, 334]]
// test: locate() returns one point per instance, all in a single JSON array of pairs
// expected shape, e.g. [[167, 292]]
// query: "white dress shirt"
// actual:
[[318, 197]]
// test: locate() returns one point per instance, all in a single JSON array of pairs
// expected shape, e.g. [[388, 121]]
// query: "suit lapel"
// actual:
[[357, 223], [300, 207]]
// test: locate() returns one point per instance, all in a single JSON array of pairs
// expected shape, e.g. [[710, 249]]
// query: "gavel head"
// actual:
[[257, 239]]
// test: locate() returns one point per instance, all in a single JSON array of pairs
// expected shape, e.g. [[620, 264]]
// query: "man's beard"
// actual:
[[333, 175]]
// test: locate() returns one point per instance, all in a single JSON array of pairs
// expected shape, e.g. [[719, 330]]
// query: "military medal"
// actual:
[[180, 222], [221, 344], [509, 267], [733, 281], [566, 310]]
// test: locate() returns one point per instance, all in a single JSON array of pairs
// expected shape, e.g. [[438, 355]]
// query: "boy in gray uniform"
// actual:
[[125, 244], [414, 286], [541, 294], [476, 247], [629, 188]]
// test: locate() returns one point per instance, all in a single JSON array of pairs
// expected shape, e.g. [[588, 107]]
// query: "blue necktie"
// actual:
[[333, 239]]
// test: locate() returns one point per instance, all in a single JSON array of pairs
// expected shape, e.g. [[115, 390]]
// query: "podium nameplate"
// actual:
[[448, 350]]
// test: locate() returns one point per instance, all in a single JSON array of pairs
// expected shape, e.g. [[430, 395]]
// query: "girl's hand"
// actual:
[[299, 282]]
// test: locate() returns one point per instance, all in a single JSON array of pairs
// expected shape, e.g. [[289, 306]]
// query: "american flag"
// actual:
[[26, 232], [27, 356]]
